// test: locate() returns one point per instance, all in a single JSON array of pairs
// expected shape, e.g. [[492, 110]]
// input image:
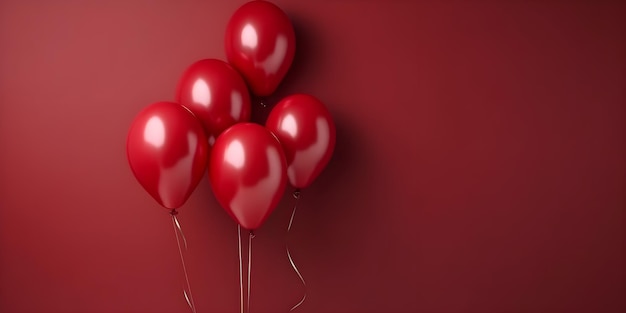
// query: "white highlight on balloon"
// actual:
[[289, 125], [275, 59], [313, 153], [235, 155], [154, 132], [249, 37], [200, 93], [236, 102]]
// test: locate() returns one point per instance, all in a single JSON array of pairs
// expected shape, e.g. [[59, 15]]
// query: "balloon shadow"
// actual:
[[332, 195], [330, 210]]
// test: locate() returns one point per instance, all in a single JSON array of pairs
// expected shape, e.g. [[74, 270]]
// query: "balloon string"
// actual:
[[296, 195], [249, 264], [240, 267], [178, 231]]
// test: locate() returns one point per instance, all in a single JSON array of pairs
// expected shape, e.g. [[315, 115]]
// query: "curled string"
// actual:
[[240, 267], [178, 231], [296, 195]]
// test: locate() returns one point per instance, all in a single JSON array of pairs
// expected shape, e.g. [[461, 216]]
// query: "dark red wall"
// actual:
[[479, 166]]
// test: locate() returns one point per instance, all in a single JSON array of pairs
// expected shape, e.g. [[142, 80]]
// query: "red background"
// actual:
[[479, 165]]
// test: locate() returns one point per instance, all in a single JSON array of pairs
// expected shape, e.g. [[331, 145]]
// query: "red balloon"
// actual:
[[167, 151], [306, 131], [216, 93], [260, 43], [247, 170]]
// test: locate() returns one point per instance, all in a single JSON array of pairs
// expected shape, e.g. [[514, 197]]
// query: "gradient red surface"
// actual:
[[479, 163]]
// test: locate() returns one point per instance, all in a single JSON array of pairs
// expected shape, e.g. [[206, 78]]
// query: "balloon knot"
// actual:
[[173, 212], [252, 234], [296, 194]]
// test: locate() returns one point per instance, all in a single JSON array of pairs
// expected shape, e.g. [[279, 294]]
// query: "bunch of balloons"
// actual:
[[171, 144]]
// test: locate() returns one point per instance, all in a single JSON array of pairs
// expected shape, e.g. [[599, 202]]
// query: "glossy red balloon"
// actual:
[[216, 93], [167, 151], [247, 170], [260, 43], [307, 132]]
